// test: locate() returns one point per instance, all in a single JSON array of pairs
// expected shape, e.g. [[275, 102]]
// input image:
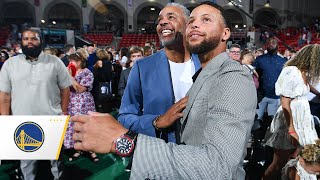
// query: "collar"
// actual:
[[195, 76], [182, 62], [35, 60], [32, 60], [303, 173]]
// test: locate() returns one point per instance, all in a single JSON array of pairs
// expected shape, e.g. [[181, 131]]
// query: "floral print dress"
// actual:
[[79, 103]]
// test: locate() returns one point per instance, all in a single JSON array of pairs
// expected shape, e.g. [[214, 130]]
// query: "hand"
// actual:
[[173, 114], [294, 136], [295, 153], [294, 139], [98, 64], [96, 132]]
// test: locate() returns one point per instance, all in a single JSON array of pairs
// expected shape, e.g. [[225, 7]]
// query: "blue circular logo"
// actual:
[[29, 136]]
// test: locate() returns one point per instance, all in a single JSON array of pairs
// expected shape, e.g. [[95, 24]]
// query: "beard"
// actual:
[[272, 50], [33, 51], [177, 38], [204, 46]]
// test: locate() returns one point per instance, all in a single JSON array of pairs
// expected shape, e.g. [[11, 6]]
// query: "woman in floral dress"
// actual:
[[81, 101], [293, 124]]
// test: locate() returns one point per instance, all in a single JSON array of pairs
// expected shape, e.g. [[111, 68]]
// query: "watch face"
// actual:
[[124, 146]]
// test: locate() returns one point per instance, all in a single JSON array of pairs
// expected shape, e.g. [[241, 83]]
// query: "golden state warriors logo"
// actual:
[[29, 136]]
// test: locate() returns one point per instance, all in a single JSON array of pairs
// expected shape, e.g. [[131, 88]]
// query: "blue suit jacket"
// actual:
[[148, 93]]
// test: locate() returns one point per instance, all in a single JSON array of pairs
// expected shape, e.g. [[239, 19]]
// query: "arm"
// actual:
[[219, 155], [5, 102], [130, 112], [77, 86], [5, 89], [64, 80], [229, 117], [65, 94], [132, 104], [292, 174], [285, 104], [98, 64]]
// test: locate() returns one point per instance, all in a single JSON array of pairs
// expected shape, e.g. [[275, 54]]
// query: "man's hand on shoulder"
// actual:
[[96, 132]]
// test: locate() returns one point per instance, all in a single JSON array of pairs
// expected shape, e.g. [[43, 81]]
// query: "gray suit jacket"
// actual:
[[219, 116], [123, 80]]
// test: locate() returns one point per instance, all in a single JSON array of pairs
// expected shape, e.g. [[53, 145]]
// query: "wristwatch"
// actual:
[[154, 123], [125, 144]]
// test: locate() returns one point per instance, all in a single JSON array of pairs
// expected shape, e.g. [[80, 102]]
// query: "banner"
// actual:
[[32, 137]]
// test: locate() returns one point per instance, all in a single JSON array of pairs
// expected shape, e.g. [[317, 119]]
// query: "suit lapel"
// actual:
[[211, 68], [196, 62], [163, 72]]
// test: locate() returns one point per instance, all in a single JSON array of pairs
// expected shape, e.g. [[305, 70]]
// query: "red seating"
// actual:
[[100, 39], [4, 33], [138, 39]]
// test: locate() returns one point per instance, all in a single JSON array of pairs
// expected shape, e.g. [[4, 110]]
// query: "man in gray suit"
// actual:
[[217, 119]]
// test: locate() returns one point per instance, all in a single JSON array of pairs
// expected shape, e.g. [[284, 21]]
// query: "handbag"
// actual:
[[104, 90]]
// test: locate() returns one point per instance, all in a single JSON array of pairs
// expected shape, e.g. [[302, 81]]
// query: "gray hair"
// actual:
[[186, 12]]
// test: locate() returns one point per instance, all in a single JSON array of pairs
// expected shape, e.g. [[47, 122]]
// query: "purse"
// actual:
[[104, 90]]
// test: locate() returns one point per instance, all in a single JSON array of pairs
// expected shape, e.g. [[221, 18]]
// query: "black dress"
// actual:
[[103, 76]]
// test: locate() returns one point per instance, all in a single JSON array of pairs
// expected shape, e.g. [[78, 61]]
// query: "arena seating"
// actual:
[[138, 39], [100, 39], [290, 36], [4, 33]]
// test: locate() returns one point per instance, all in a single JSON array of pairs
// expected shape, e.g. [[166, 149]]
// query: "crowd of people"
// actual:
[[187, 111]]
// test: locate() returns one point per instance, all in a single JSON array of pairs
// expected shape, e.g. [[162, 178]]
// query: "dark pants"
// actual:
[[315, 109]]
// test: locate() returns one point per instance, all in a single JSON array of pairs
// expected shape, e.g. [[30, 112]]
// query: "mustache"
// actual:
[[32, 51]]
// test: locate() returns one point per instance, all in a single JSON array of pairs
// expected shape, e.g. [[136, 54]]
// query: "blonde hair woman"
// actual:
[[293, 124]]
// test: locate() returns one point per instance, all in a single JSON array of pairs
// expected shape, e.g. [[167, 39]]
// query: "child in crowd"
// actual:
[[247, 61], [81, 100], [293, 125], [306, 166]]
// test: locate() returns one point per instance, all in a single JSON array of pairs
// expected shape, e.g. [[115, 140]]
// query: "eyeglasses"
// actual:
[[235, 52]]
